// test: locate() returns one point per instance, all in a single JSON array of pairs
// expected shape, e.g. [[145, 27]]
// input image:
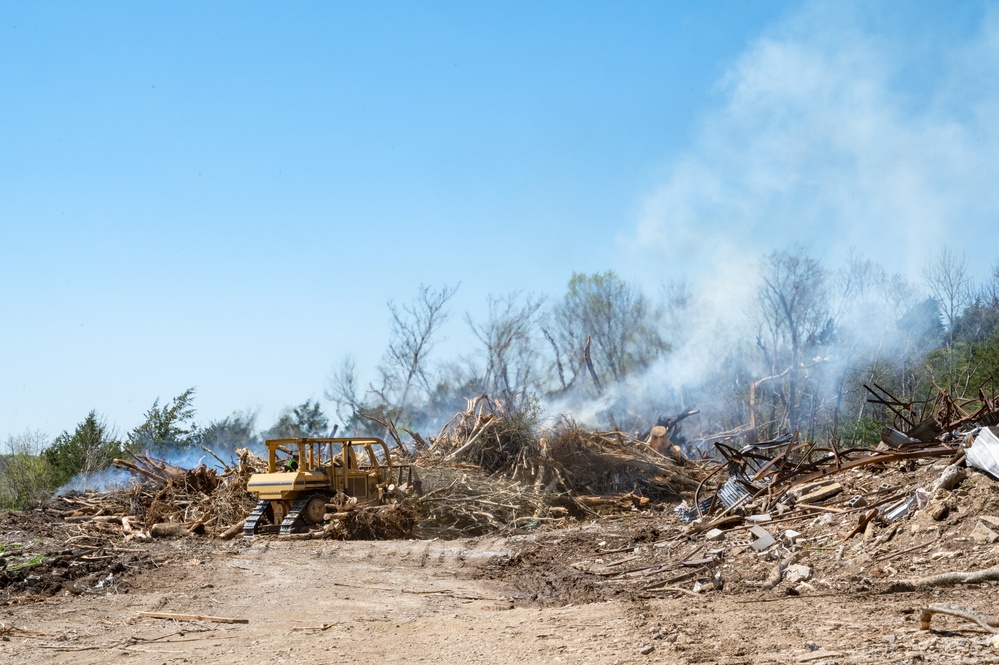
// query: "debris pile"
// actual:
[[385, 522], [490, 472], [784, 516], [825, 536], [797, 518], [465, 502], [173, 501]]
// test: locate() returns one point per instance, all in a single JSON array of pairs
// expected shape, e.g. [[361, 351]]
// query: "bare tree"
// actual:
[[510, 339], [342, 389], [946, 276], [404, 367], [793, 316]]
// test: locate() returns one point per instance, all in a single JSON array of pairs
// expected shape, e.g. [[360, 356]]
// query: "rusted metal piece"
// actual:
[[787, 462], [878, 458]]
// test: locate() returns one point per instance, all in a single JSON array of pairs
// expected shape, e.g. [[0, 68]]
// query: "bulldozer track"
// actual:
[[293, 518], [253, 520]]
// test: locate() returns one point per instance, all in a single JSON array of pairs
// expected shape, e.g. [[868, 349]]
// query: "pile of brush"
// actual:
[[564, 457], [492, 471]]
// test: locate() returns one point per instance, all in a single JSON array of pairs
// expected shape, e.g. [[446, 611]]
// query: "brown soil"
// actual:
[[555, 596]]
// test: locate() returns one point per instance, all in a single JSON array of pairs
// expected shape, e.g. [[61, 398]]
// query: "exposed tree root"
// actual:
[[946, 579], [989, 623]]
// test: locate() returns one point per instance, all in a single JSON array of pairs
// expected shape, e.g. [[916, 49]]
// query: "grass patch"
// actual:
[[31, 562]]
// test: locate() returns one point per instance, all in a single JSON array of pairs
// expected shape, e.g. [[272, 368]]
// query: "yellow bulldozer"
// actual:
[[304, 474]]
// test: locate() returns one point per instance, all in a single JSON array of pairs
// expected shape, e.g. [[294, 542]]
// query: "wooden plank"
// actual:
[[813, 494]]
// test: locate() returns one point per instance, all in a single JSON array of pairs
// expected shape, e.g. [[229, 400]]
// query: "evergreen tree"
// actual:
[[91, 447], [168, 427]]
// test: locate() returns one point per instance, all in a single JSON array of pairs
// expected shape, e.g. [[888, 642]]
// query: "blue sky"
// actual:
[[225, 195]]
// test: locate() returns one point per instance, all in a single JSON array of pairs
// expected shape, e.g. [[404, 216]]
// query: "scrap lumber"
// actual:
[[819, 492]]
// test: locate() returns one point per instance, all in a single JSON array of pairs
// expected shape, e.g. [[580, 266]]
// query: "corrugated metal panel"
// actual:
[[984, 452], [896, 439], [732, 492]]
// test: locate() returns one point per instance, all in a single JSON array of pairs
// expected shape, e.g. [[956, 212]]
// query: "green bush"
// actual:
[[25, 477], [863, 432]]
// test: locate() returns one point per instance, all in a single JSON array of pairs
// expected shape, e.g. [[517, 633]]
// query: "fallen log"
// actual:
[[231, 532], [168, 530], [93, 518]]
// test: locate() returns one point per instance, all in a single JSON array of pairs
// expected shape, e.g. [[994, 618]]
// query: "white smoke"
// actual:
[[832, 132], [107, 480]]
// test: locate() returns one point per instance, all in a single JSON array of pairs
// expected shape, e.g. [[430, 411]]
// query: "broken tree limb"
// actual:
[[199, 526], [420, 444], [212, 453], [191, 617], [589, 366], [124, 464], [389, 427], [989, 623], [676, 589], [470, 442], [861, 524], [231, 532], [947, 579]]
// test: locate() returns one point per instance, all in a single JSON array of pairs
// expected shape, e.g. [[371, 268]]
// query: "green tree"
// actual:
[[234, 431], [168, 427], [91, 447], [25, 477], [618, 319], [306, 419]]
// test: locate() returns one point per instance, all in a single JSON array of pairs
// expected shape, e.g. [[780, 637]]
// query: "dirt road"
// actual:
[[320, 602]]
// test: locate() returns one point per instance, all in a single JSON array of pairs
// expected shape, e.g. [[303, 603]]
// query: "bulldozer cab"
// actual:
[[358, 467]]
